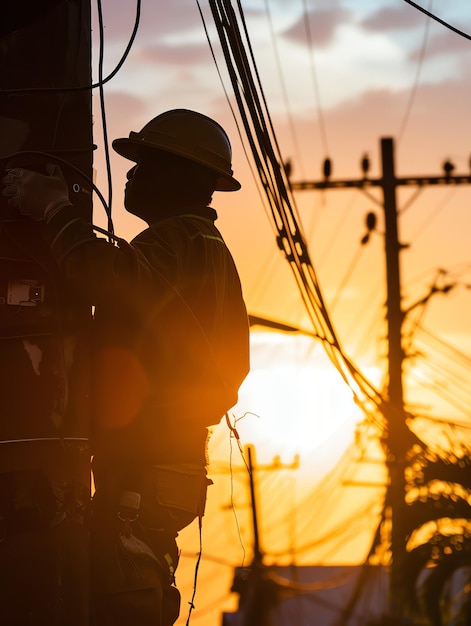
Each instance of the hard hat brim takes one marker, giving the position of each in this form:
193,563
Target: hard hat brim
131,149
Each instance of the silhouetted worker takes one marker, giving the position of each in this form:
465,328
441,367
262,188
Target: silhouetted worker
170,337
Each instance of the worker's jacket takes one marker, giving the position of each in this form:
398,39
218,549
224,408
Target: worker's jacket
170,333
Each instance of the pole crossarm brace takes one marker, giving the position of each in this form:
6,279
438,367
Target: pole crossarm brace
418,181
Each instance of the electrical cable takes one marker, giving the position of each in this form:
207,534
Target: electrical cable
439,20
440,388
262,140
415,85
412,198
341,222
110,76
445,395
284,90
455,425
103,113
262,199
321,500
54,157
372,326
197,566
101,82
348,274
315,82
456,353
345,528
433,214
270,259
234,434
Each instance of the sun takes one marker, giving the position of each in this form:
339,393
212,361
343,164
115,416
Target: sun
294,402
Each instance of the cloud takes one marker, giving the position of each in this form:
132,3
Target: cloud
434,126
124,113
322,26
389,18
156,19
445,43
174,54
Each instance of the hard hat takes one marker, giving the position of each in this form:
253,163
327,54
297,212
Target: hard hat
187,134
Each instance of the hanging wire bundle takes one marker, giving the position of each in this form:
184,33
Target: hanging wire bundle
265,150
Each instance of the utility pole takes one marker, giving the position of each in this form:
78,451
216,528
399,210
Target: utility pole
258,592
253,467
257,552
45,117
397,437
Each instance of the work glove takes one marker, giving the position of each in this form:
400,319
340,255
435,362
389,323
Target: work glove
39,196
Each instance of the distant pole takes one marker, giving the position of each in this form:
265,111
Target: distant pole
397,437
257,553
392,249
258,592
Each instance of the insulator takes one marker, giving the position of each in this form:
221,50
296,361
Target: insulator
371,221
327,168
448,167
288,168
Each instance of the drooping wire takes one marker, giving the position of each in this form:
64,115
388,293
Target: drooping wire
315,82
197,567
54,157
284,90
233,507
105,80
101,82
348,274
421,228
439,20
103,113
444,344
263,143
417,78
239,131
127,50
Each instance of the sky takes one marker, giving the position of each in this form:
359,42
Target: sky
337,75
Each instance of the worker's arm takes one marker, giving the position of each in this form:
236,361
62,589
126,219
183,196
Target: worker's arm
94,267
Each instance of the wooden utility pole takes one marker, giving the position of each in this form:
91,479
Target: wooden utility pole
45,117
397,436
257,552
258,593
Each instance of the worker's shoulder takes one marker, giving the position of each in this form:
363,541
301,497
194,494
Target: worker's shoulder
181,226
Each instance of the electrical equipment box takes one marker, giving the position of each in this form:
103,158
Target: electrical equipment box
24,292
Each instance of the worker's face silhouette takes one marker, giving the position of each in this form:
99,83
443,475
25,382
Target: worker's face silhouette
161,183
149,186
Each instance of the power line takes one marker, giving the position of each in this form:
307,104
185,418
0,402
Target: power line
417,78
92,85
315,82
343,283
420,230
398,438
340,223
439,20
284,90
104,124
266,153
456,353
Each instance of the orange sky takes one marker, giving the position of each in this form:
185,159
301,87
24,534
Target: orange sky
371,82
